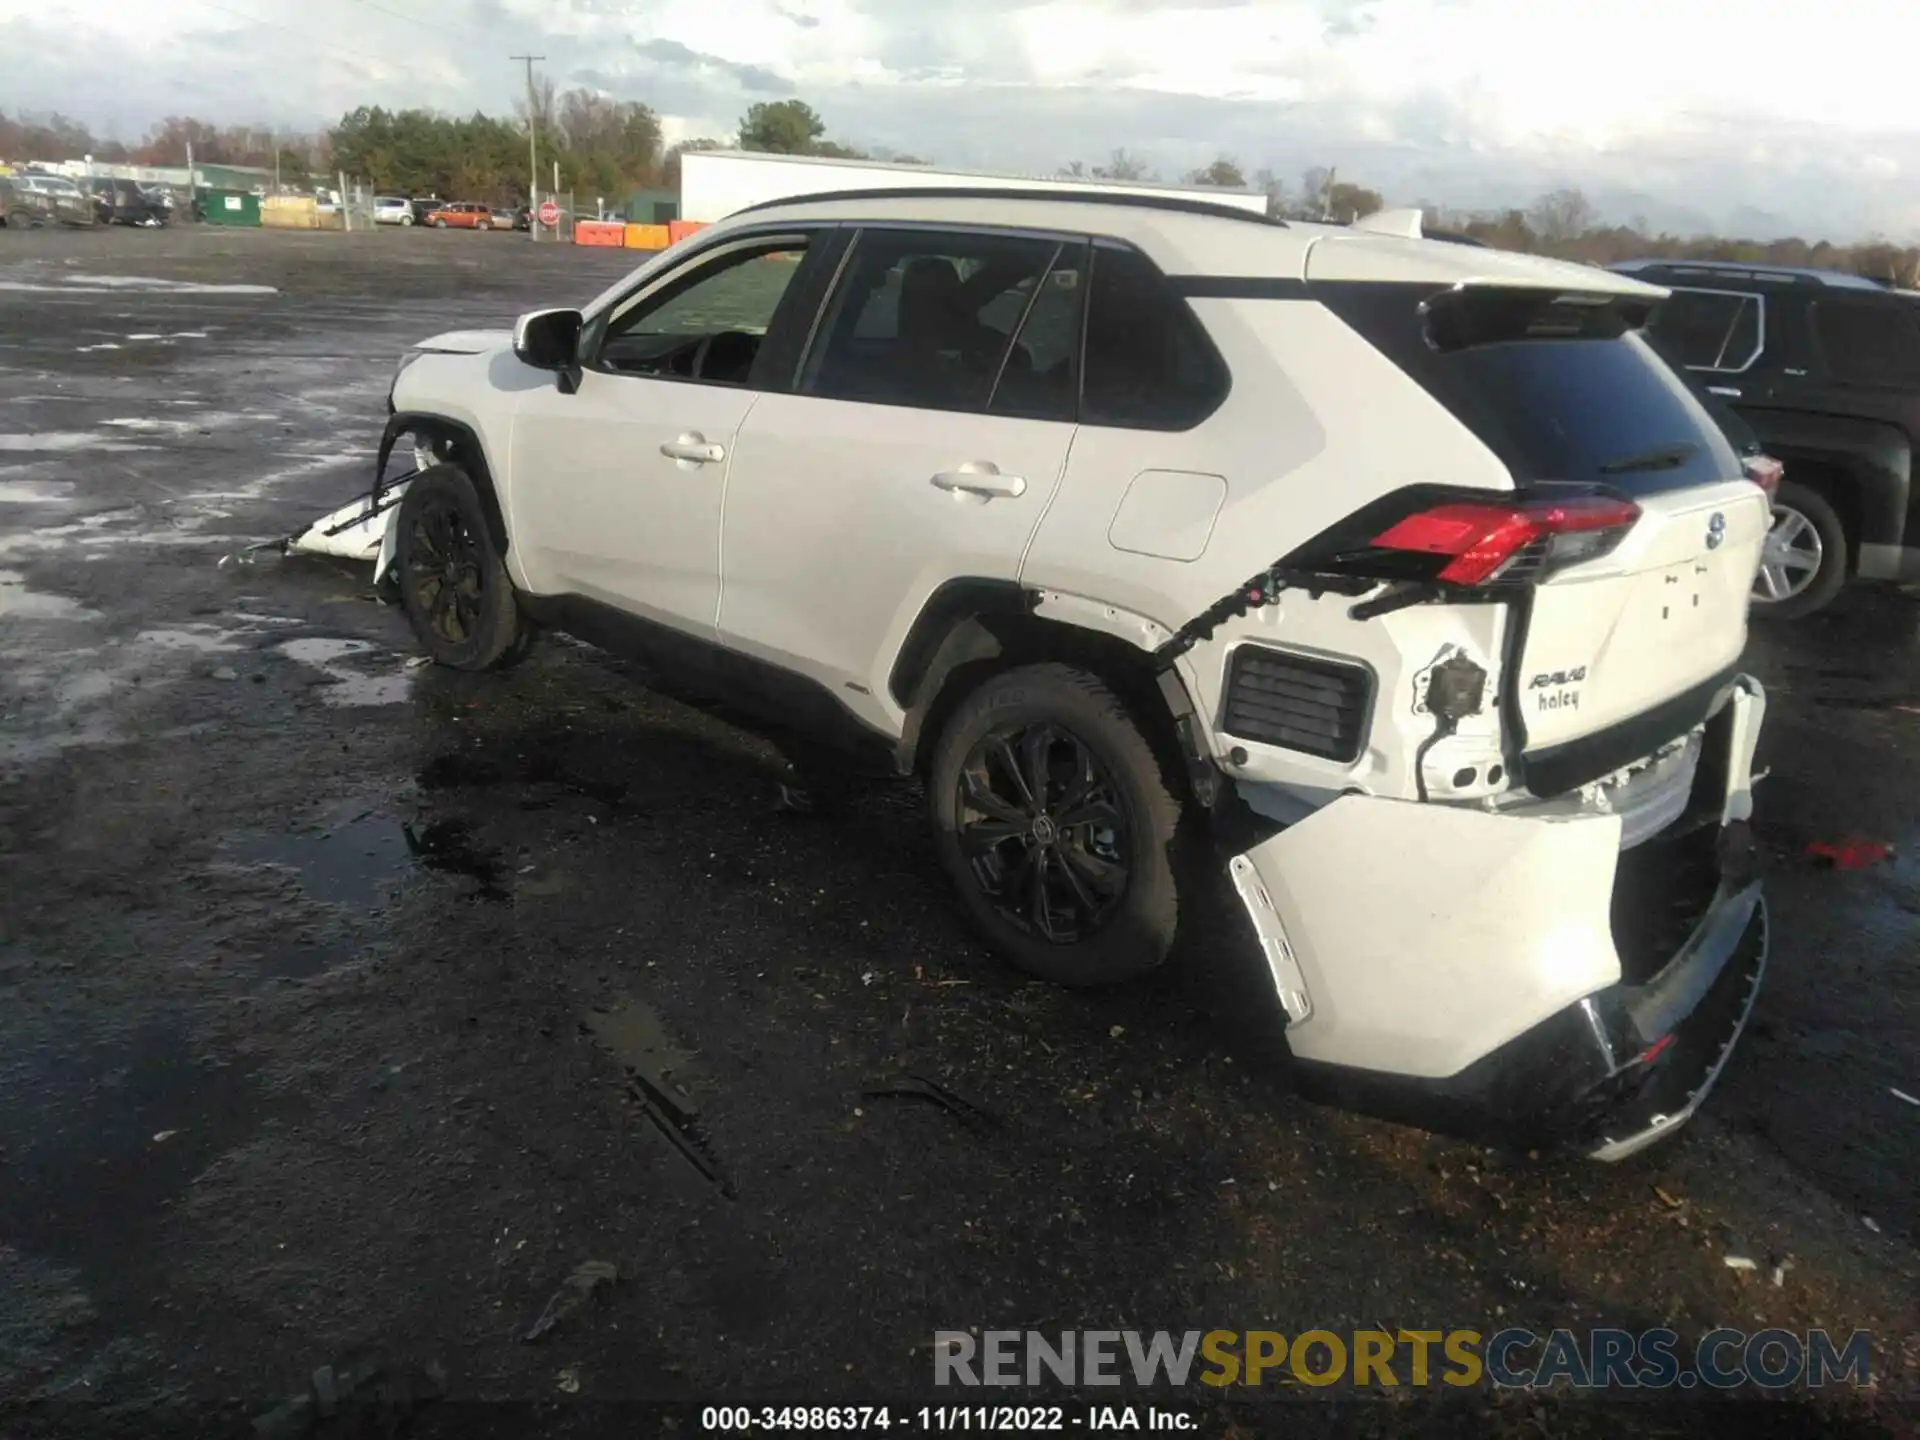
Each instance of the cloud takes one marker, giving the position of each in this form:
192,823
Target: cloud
756,79
1475,103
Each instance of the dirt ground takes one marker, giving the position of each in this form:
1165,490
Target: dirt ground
321,976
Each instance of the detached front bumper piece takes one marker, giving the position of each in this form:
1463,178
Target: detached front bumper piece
1519,980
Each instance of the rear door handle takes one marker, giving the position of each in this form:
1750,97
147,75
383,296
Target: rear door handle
981,479
695,447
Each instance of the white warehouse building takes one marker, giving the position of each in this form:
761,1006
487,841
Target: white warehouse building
717,183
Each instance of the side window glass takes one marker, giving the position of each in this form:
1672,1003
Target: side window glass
1149,364
1041,379
1868,344
708,325
929,318
1710,329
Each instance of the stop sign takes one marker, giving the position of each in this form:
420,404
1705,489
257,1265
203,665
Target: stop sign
549,213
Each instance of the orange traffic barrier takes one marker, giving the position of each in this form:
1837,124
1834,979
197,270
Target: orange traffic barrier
648,237
599,232
678,230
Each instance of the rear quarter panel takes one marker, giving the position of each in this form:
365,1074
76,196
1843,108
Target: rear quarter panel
1317,424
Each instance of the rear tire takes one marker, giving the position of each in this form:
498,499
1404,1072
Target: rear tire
483,225
1042,769
1806,530
453,584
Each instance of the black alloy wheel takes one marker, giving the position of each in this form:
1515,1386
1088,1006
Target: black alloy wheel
1045,831
445,571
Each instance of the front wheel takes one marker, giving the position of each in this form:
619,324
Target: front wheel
1056,825
453,584
405,221
438,224
1803,562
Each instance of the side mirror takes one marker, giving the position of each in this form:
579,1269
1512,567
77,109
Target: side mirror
550,340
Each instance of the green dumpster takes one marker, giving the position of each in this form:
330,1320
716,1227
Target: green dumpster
230,207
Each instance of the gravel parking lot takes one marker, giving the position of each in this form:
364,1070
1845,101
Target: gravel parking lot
322,975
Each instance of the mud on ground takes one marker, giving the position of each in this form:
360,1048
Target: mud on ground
323,977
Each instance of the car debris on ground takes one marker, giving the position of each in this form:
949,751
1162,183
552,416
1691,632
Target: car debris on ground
588,1279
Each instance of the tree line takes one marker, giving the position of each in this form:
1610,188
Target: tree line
611,147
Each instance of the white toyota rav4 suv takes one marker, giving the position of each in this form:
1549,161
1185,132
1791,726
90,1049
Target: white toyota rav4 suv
1131,524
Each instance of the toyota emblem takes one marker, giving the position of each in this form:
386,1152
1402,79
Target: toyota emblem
1716,530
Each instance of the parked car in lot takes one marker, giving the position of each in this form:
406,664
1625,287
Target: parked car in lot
1396,584
1824,368
123,202
393,210
505,218
462,215
39,199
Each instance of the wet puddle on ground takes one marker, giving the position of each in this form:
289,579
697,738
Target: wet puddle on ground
17,602
101,1132
350,686
358,857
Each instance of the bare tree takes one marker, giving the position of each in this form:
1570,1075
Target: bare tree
1124,165
1561,217
1276,192
539,106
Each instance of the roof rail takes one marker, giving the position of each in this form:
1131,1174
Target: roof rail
1177,203
1786,274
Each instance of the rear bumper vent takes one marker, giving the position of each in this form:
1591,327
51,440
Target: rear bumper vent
1298,702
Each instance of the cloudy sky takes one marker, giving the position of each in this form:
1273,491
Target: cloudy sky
1692,114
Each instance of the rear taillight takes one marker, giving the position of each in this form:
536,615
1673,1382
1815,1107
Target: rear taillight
1474,544
1433,537
1766,472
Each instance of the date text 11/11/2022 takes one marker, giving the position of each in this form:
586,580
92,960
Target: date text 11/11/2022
954,1419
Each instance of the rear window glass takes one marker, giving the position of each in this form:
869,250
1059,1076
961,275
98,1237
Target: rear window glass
1710,329
1149,364
1559,392
1868,344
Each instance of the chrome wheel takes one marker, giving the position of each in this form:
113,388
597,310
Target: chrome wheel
1044,831
1789,559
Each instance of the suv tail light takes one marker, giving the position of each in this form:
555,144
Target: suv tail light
1766,472
1432,537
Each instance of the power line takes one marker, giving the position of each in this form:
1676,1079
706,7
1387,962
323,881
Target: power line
438,29
307,36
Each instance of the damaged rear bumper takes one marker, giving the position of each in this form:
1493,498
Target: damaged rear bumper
1517,979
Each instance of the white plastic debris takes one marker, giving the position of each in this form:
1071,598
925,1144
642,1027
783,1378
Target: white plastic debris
1902,1095
356,531
1780,1273
1871,1223
1740,1262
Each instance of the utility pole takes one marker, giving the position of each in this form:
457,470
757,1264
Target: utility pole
533,150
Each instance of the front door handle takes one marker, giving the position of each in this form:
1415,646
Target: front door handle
981,478
695,447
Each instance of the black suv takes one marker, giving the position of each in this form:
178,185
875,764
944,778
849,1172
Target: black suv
1824,369
122,202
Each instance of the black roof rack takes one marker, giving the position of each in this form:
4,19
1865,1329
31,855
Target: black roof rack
1178,203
